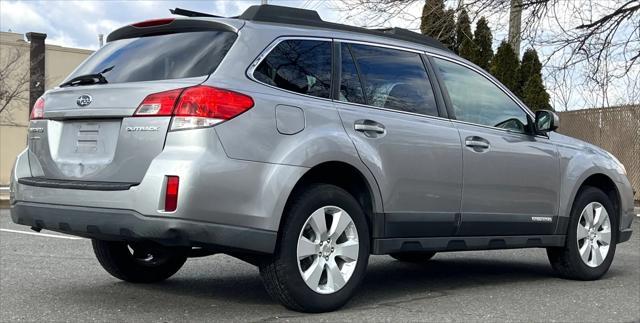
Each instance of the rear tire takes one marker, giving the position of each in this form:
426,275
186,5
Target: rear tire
413,256
305,251
137,263
591,238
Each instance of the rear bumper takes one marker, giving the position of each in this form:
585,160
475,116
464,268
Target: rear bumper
213,187
128,225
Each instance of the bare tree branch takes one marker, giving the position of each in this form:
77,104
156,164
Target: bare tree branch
14,83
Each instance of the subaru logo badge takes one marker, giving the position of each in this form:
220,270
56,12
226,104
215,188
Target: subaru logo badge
84,100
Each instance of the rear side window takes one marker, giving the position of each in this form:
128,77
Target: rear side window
161,57
394,79
301,66
350,85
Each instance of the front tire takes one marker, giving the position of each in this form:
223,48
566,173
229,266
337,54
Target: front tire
591,239
138,263
322,253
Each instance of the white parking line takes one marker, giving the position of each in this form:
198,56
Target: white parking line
42,234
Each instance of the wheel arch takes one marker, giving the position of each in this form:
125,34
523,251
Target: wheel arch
601,181
347,177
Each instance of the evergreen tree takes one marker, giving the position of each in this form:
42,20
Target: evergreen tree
448,35
530,66
438,22
534,95
482,38
464,36
432,15
505,66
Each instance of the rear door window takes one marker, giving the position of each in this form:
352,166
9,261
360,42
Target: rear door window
161,57
301,66
394,79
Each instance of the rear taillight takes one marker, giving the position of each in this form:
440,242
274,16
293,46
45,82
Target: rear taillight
153,22
158,104
195,107
171,194
38,110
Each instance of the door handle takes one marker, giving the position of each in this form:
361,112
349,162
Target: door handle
476,142
369,127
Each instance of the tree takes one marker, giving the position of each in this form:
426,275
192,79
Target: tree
438,22
14,84
534,94
505,66
482,38
529,67
598,40
464,37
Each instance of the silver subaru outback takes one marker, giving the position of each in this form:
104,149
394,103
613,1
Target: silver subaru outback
302,147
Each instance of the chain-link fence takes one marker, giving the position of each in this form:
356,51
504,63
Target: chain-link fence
615,129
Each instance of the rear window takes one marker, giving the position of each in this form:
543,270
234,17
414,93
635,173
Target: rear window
162,57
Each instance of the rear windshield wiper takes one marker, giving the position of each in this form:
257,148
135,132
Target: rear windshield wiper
97,78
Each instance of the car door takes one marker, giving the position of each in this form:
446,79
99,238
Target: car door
387,105
511,177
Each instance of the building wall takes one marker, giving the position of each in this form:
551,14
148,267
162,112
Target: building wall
14,119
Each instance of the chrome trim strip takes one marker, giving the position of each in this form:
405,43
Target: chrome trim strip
391,110
405,49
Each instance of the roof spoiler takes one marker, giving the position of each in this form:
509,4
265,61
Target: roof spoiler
189,13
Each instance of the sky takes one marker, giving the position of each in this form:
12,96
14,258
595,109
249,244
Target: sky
77,23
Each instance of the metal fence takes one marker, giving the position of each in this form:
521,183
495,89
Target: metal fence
616,129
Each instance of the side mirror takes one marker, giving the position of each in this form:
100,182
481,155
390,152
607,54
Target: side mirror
546,121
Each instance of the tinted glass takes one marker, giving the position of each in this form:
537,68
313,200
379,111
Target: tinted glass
160,57
302,66
394,79
350,86
476,99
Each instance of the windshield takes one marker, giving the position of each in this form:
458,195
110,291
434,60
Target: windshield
162,57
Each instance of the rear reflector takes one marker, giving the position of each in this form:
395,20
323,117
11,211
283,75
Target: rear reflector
171,194
153,22
195,107
38,110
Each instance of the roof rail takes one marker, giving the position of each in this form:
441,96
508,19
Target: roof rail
311,18
189,13
413,36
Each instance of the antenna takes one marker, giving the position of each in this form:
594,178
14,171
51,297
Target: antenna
101,39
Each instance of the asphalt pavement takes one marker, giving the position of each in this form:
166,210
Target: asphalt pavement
57,278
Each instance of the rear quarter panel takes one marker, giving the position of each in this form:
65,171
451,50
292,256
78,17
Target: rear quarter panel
254,135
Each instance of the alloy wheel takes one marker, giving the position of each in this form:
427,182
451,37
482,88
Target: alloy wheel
594,234
327,251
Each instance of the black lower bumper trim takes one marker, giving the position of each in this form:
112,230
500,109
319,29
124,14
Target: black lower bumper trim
128,225
74,184
439,244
